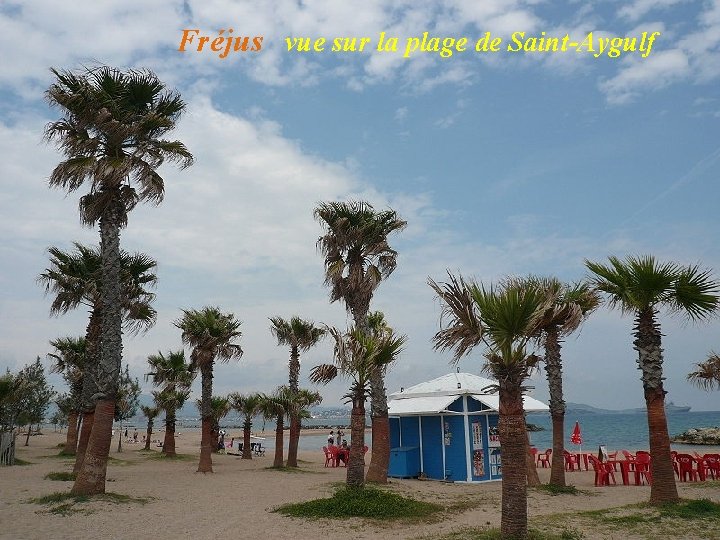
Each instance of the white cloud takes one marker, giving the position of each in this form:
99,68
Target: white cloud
639,8
640,75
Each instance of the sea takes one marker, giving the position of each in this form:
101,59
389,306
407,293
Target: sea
614,431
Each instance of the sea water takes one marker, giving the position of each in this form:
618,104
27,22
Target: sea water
614,431
617,431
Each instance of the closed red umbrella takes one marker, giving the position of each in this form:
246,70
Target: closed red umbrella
576,437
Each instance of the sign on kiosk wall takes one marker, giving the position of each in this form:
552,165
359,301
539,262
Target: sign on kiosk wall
478,456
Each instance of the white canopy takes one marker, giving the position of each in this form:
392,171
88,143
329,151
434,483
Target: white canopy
433,397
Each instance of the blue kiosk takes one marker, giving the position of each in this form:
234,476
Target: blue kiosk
447,429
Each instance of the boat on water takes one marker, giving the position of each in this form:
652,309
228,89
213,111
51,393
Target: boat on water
670,408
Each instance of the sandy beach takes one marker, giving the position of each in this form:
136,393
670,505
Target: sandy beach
237,500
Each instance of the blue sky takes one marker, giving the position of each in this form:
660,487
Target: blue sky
502,164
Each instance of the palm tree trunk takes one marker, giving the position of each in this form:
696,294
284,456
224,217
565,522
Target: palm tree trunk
294,439
94,467
513,441
648,344
356,461
553,371
27,437
533,479
71,440
205,465
380,458
90,479
278,462
89,389
247,450
294,371
120,437
169,443
294,435
88,418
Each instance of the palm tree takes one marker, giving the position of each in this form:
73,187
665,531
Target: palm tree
70,361
642,286
170,400
275,407
74,279
150,413
174,375
248,406
357,258
567,306
357,356
211,334
111,135
707,374
501,320
300,335
220,407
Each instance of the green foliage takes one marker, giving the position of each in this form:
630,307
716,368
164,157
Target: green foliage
478,533
66,503
692,509
128,395
552,489
25,397
364,502
61,476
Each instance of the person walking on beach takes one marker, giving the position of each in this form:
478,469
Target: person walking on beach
135,435
331,438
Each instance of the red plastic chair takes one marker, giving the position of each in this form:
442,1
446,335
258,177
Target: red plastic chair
328,455
604,472
571,461
544,458
686,464
712,465
334,456
642,468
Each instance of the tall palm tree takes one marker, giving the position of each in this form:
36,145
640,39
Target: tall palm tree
74,280
357,258
220,407
499,318
70,362
150,413
248,406
642,286
707,373
111,133
300,335
174,375
357,356
211,334
566,307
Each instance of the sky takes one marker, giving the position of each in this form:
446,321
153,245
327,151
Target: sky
502,163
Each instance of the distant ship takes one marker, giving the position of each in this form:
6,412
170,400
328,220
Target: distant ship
670,408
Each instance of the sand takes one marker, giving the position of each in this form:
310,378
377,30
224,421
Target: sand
237,500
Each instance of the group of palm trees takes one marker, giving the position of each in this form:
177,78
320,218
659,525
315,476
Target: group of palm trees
512,318
112,135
